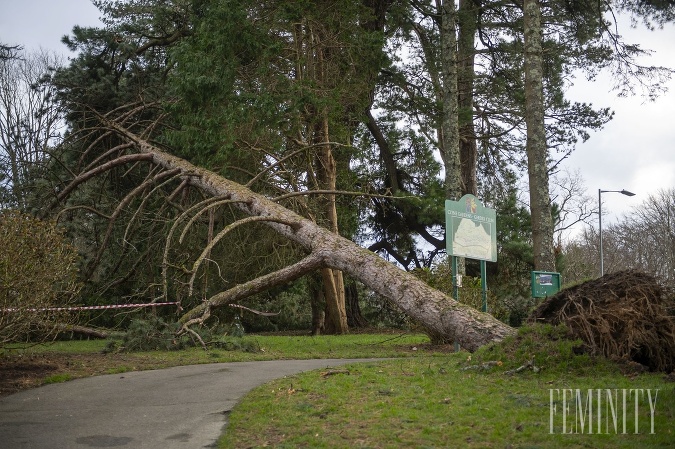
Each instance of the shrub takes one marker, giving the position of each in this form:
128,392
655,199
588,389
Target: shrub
37,274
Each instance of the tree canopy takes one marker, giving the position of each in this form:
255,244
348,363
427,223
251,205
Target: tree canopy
361,116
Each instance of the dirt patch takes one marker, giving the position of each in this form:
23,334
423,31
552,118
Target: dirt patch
16,375
624,316
20,372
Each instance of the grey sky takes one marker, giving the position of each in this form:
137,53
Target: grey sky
635,151
42,23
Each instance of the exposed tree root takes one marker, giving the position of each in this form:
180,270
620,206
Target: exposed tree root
626,315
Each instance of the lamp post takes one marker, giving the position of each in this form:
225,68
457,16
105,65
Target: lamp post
600,192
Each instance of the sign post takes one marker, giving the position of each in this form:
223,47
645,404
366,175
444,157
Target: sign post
483,285
471,232
455,277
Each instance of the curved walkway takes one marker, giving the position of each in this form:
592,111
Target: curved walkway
174,408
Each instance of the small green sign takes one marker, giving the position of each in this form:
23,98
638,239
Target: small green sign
471,229
545,284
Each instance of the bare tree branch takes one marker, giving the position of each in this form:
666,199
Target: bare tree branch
118,210
94,172
287,274
224,232
336,192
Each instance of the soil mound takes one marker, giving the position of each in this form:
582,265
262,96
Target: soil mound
626,315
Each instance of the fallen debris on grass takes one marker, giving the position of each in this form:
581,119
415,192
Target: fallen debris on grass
529,365
334,372
483,366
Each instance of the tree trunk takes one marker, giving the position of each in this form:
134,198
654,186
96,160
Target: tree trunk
450,119
450,144
537,167
354,316
333,281
443,318
318,304
315,54
466,55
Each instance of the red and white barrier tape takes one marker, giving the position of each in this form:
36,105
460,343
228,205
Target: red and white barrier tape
122,306
114,306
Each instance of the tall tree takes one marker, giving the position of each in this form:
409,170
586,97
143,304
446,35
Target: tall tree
449,144
537,150
273,95
467,19
489,110
296,80
117,231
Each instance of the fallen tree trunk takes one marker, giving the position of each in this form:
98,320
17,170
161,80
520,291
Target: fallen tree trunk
83,330
443,318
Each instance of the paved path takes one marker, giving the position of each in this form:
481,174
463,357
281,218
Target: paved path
184,407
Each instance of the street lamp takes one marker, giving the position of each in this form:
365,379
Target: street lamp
600,192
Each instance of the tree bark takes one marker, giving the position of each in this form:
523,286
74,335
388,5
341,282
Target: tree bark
316,56
258,285
443,318
466,55
450,118
333,280
450,142
83,330
354,316
537,152
318,304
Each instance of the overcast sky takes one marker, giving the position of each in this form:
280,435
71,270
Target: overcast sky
635,151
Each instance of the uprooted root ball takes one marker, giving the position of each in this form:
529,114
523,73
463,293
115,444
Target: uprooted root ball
626,315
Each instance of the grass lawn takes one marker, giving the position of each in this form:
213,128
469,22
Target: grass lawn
436,402
428,402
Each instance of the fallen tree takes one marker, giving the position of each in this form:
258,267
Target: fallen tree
443,318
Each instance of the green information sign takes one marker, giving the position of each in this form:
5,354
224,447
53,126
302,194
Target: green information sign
471,229
545,284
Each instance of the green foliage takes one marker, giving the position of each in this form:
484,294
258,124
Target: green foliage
291,302
659,11
246,83
509,278
381,313
155,334
120,256
239,87
224,41
151,335
37,271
